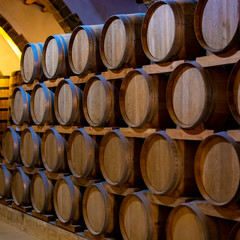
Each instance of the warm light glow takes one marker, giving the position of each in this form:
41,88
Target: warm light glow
11,43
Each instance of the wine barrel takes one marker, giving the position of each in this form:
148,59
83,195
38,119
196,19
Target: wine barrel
168,31
197,97
100,210
11,146
20,187
119,159
20,106
67,200
217,169
53,151
141,220
83,53
100,102
235,233
143,100
187,221
217,25
31,62
167,165
120,44
30,148
68,103
5,182
55,56
41,192
42,105
82,154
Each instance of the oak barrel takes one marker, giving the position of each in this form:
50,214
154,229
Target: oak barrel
235,233
11,146
31,62
42,105
217,169
120,44
168,31
100,210
167,165
41,192
30,148
5,182
67,200
217,25
143,100
20,106
20,187
197,97
68,103
53,151
55,56
83,53
141,220
100,102
82,154
119,159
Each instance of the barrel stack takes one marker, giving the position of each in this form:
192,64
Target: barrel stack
109,145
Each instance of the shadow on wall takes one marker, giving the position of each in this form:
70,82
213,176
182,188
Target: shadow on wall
97,12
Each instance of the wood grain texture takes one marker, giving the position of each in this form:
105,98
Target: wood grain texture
235,233
5,182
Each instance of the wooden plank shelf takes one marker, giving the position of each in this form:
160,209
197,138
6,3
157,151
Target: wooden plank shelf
70,227
44,217
89,235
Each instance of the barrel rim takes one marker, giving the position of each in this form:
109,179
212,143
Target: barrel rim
26,183
36,147
176,155
130,36
148,209
108,208
47,103
109,100
208,103
178,38
48,189
91,52
129,159
197,26
37,61
60,149
90,149
152,100
195,210
73,194
199,158
76,100
16,145
7,178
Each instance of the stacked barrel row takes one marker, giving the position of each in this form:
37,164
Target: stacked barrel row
191,96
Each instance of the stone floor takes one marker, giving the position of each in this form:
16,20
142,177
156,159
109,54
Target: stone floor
8,232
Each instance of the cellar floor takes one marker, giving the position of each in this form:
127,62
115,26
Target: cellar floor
8,232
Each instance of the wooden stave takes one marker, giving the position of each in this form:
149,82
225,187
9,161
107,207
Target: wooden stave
61,164
92,153
37,49
233,44
111,220
94,62
26,194
49,187
210,118
76,197
197,162
130,22
62,68
49,116
234,232
37,148
76,115
26,106
7,183
16,140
